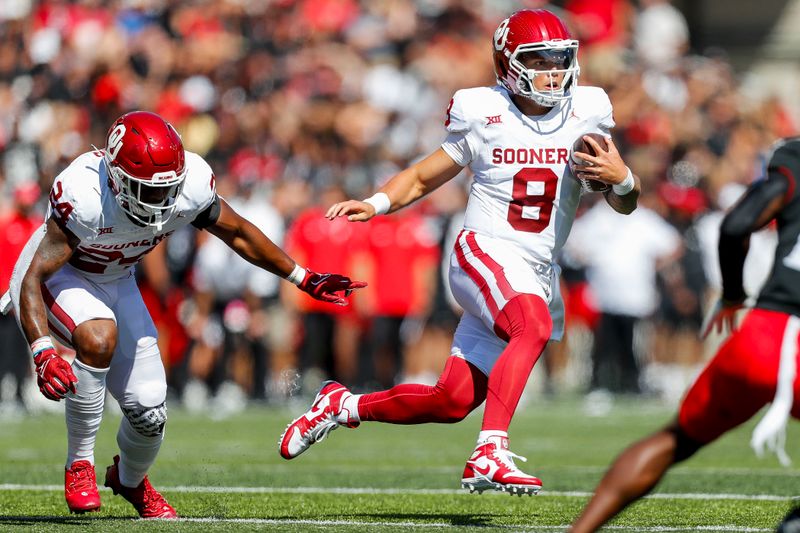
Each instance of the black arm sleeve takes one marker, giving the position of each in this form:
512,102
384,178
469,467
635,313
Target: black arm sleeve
209,216
748,215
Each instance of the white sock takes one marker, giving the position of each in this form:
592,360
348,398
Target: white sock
483,436
84,411
349,411
137,453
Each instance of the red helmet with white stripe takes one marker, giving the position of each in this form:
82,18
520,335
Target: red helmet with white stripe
537,32
147,165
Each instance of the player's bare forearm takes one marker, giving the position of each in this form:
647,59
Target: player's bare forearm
404,188
53,253
627,203
249,242
420,179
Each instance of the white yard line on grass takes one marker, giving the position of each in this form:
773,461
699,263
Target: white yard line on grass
695,470
443,525
368,490
416,525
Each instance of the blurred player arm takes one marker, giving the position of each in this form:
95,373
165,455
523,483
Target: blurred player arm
404,188
53,253
760,204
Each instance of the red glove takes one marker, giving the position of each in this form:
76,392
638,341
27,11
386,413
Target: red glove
324,286
53,374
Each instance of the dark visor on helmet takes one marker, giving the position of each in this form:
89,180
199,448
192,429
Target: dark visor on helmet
547,59
154,195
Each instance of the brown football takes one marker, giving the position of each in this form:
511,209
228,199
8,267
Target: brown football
589,184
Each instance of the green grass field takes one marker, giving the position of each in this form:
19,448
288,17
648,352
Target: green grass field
227,476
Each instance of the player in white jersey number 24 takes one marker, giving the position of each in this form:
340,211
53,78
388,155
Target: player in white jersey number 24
516,138
74,280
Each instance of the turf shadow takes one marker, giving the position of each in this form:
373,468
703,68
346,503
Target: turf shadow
455,519
55,519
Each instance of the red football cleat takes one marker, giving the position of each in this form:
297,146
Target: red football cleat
80,488
147,501
317,422
491,466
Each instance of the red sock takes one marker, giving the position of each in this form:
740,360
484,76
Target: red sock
526,324
461,388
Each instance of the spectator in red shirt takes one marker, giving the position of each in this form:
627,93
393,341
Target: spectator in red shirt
328,331
402,260
15,228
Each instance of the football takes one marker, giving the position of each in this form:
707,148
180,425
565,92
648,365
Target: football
588,184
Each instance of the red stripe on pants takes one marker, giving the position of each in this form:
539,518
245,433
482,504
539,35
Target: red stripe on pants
491,264
476,277
57,310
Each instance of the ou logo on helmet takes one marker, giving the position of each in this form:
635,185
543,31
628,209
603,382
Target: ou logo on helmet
114,144
501,35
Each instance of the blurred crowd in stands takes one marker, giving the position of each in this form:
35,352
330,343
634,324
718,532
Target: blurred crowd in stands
298,104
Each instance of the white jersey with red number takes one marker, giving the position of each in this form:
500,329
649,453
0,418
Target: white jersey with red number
83,201
523,191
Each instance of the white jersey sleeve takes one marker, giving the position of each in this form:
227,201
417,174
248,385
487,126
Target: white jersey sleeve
593,104
463,141
75,201
606,113
199,189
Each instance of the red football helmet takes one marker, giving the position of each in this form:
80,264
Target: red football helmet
147,166
540,32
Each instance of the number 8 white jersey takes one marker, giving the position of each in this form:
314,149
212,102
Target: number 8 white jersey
523,191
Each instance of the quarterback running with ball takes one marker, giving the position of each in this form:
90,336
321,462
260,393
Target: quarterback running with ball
516,138
74,280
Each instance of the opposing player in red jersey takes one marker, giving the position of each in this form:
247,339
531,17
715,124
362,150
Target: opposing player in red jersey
516,138
755,365
74,280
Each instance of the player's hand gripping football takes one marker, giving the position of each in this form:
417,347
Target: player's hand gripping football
721,318
355,211
326,286
606,166
53,374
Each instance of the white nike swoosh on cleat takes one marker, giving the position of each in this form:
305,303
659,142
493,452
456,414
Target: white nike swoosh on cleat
293,446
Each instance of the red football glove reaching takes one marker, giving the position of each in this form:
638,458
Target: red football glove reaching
324,286
53,374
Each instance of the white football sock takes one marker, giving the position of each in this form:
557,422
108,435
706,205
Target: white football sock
84,411
349,411
137,453
483,436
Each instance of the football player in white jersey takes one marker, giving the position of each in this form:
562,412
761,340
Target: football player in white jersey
516,138
74,280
